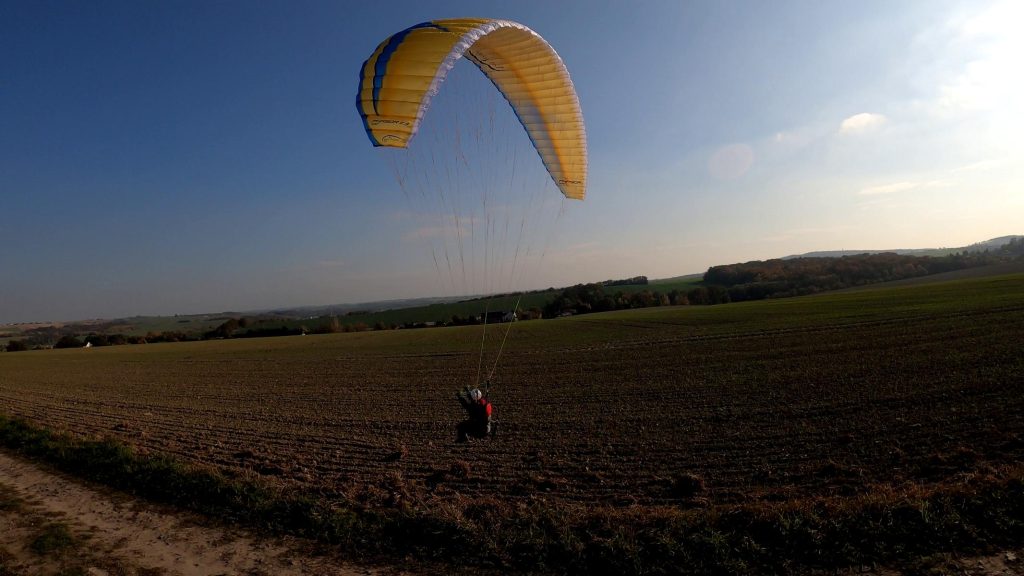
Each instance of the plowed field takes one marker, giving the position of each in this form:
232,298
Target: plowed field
772,400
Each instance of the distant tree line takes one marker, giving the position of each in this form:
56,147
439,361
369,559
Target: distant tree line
586,298
781,278
634,281
1013,249
334,326
68,337
16,346
776,278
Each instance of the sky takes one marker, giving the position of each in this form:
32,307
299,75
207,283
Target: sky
180,157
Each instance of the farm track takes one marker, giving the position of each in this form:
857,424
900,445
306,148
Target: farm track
760,410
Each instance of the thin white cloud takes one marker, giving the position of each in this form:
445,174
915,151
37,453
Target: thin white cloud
794,233
794,138
888,188
821,230
435,225
731,162
861,123
978,166
904,186
889,203
580,249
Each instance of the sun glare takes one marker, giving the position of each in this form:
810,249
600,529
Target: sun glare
992,79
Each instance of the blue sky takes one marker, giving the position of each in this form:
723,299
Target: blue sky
185,157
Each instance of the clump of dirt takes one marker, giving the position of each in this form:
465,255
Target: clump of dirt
687,485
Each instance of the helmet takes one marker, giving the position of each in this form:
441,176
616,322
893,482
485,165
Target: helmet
476,394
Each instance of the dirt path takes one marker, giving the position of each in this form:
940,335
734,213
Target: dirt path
52,524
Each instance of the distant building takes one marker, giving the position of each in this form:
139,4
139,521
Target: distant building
498,316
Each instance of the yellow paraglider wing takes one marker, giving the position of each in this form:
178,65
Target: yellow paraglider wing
400,77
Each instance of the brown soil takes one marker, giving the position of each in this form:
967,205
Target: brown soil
112,534
761,416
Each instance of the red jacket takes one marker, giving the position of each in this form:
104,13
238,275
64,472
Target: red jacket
480,411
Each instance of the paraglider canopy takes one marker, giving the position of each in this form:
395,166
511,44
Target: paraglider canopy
407,69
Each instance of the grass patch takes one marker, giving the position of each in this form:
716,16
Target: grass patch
885,525
53,538
6,563
9,501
